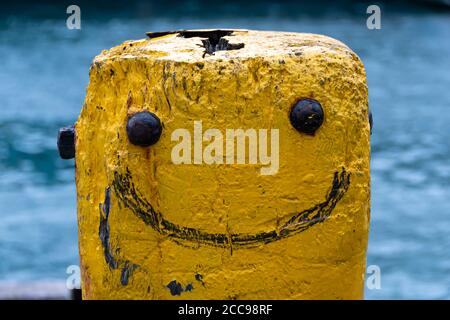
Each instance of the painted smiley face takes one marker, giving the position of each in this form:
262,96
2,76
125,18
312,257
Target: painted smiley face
144,129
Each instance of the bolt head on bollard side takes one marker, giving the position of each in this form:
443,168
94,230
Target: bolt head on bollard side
224,164
66,143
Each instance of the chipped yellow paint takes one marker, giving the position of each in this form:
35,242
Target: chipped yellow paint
253,87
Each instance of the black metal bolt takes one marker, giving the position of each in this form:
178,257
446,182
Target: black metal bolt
66,143
306,116
144,129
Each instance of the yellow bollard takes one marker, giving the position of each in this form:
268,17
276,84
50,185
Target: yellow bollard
178,209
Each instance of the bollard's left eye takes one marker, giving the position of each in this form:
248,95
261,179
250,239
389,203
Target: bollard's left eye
306,116
144,129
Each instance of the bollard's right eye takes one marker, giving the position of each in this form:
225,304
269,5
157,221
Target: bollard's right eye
306,116
144,129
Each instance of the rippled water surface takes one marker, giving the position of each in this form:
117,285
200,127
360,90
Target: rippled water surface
44,72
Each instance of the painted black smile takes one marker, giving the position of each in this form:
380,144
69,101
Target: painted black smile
131,198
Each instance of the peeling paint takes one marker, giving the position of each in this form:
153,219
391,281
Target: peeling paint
176,288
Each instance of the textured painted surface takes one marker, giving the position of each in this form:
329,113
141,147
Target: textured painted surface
121,187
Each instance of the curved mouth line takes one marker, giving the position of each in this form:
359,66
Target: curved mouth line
131,198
